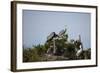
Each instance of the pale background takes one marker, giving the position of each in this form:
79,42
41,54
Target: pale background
5,37
75,22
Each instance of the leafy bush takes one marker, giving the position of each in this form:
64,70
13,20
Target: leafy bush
70,51
64,50
37,53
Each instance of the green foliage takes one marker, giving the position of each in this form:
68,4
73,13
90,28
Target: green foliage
38,52
70,51
40,49
34,54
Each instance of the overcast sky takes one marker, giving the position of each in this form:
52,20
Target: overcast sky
37,25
